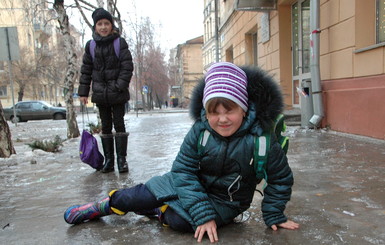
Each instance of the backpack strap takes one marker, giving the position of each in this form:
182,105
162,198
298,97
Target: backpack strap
263,143
261,150
92,48
261,146
202,141
116,47
279,128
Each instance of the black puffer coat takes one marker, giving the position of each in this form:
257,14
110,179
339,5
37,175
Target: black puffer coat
109,75
220,183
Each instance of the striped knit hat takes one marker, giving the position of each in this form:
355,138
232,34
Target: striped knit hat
228,81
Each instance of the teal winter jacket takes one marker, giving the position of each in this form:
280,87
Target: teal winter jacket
219,183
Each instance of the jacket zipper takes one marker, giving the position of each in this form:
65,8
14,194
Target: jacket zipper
229,192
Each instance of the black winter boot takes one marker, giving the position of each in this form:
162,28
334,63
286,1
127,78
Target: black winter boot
121,151
108,149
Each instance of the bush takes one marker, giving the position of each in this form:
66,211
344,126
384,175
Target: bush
47,145
95,129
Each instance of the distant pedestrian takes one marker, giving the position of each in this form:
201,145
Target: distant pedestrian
110,74
208,188
127,107
166,104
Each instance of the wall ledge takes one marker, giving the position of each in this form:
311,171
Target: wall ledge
378,45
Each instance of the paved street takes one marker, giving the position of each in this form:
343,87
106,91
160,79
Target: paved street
338,196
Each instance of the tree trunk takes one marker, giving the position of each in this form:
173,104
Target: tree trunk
159,101
6,145
71,69
20,94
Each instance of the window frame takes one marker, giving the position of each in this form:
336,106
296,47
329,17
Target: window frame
3,91
380,19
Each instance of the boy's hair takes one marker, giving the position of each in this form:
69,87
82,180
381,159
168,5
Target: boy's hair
213,103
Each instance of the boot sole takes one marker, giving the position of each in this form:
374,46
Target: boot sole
107,171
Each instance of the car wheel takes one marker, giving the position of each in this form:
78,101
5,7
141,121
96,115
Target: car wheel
58,116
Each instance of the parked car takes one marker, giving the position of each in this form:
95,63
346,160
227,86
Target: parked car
139,105
34,110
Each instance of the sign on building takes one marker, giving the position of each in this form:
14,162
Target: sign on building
145,89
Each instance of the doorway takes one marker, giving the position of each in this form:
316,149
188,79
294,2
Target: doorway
300,17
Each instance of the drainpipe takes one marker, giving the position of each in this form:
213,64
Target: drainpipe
216,21
314,63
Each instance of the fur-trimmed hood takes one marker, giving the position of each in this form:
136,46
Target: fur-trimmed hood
264,95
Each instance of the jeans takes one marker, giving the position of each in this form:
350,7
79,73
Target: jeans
139,199
112,114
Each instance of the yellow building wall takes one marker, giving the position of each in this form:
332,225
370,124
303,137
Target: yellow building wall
352,67
352,64
191,62
12,14
37,30
346,27
274,55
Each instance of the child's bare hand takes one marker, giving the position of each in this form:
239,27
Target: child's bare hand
83,100
290,225
211,229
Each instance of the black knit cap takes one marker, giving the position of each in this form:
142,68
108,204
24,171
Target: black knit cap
101,13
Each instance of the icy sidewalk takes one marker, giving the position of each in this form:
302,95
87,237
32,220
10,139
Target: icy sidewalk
338,196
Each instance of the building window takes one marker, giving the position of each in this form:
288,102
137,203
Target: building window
205,35
230,55
380,21
3,91
210,28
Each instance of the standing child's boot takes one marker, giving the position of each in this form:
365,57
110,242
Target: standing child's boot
79,213
121,151
108,150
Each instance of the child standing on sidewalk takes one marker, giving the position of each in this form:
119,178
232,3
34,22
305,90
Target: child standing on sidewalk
107,67
206,190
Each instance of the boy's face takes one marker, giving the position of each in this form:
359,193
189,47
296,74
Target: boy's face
103,27
226,122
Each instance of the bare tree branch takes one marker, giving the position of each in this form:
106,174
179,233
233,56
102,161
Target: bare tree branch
87,4
82,12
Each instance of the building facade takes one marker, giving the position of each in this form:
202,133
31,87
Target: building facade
39,42
351,55
190,68
210,41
